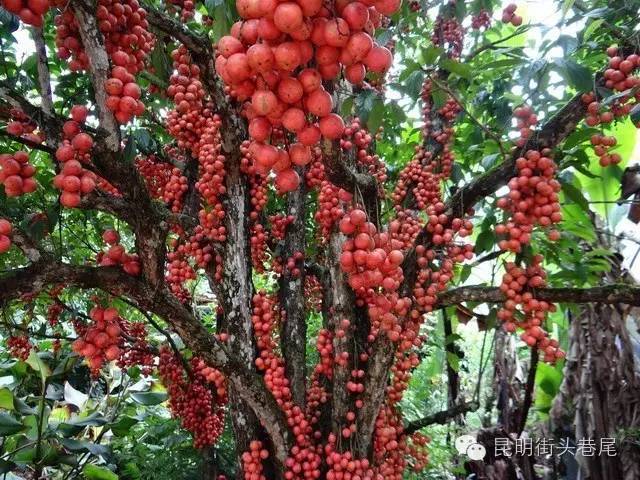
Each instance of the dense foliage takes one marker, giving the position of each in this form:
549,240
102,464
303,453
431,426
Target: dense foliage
283,239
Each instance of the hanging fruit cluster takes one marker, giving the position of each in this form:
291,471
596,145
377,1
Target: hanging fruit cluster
509,15
16,174
525,120
532,201
117,255
481,20
163,180
197,130
138,353
303,461
601,146
355,135
19,347
73,179
30,12
618,77
522,310
5,232
128,41
23,126
264,60
124,93
101,341
372,261
252,461
198,401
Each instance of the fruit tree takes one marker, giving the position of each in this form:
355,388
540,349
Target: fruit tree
258,214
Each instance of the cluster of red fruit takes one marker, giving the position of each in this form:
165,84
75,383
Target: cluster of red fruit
532,200
303,461
23,126
5,232
192,399
123,25
187,9
601,145
525,120
619,74
16,174
417,450
197,130
356,135
101,340
19,347
343,465
448,33
481,20
163,180
124,93
117,255
30,11
180,271
372,261
73,179
509,15
331,200
262,58
252,461
523,310
139,353
389,444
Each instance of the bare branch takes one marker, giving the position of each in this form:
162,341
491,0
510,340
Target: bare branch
611,294
44,77
441,417
28,143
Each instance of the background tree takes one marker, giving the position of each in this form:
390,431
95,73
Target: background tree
271,213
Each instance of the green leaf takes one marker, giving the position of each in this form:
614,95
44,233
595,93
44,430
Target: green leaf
347,107
430,54
376,115
456,67
130,150
76,425
575,195
9,425
453,360
6,399
576,75
485,241
123,425
566,6
85,446
149,398
592,28
94,472
35,362
10,22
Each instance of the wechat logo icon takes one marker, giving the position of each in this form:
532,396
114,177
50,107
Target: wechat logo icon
467,445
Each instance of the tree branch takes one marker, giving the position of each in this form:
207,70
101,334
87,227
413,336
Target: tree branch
113,280
611,294
528,393
441,417
44,77
28,143
93,43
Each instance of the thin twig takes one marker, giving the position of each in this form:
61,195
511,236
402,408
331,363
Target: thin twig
483,127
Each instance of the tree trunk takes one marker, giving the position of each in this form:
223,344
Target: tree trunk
600,393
